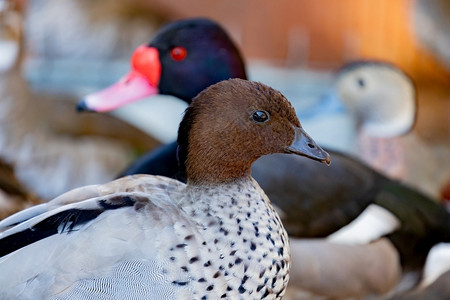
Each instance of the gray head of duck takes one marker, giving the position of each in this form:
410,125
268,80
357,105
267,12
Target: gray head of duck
231,124
183,58
380,95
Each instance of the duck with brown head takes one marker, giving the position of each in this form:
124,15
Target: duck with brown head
156,238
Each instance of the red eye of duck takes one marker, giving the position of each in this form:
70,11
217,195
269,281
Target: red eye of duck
178,53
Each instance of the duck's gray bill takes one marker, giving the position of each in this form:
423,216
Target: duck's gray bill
304,145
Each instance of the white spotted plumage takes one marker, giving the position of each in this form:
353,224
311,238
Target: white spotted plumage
186,242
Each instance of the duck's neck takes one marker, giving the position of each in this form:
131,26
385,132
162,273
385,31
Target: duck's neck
219,200
17,114
207,173
199,189
12,95
216,164
386,155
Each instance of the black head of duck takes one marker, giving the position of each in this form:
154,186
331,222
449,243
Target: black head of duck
182,59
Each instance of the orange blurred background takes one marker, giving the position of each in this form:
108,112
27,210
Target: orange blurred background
328,32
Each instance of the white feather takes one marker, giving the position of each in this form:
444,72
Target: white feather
438,262
373,223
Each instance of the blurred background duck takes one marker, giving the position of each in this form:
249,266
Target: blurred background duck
382,100
41,159
369,110
314,201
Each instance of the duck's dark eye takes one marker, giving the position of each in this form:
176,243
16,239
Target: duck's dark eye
260,116
361,83
178,53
